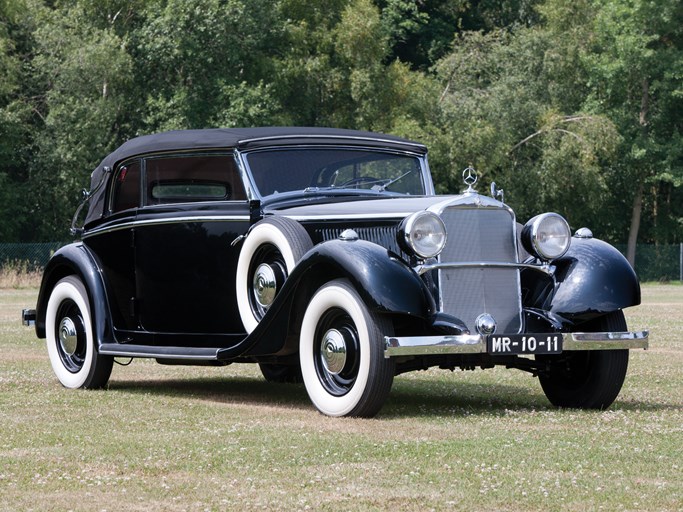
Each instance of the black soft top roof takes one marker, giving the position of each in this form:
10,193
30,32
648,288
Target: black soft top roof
230,138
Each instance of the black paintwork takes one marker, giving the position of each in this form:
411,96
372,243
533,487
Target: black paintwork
163,277
185,273
386,284
592,279
77,259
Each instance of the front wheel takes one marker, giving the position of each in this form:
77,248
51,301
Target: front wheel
587,379
342,353
70,341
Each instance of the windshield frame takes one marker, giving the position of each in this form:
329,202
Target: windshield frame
253,192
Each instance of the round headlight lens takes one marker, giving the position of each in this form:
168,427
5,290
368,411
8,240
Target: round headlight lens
547,236
424,234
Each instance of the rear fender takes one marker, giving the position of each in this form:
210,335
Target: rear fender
75,259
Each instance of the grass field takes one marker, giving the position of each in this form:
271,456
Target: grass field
186,438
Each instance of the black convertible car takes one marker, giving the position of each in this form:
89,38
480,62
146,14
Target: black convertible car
325,256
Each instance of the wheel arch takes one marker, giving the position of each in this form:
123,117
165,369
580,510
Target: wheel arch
75,259
385,284
592,280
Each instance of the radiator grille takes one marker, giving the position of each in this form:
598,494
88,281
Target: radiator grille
474,235
380,235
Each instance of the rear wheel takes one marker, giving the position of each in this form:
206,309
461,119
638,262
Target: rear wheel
342,353
588,379
70,341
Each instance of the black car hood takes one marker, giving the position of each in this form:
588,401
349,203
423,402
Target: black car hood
355,207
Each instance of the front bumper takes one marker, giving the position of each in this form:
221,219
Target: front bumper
476,344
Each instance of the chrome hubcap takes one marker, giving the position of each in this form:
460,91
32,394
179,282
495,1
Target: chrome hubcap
264,285
68,336
333,350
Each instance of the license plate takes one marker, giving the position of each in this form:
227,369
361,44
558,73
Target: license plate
524,344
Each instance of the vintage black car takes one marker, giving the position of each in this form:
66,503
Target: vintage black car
325,256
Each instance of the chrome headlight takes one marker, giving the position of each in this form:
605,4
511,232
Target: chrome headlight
546,236
423,234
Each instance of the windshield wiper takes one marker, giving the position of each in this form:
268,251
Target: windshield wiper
338,190
384,186
380,185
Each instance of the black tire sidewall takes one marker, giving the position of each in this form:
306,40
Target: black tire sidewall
599,374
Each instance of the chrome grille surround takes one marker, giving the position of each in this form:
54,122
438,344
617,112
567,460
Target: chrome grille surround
480,229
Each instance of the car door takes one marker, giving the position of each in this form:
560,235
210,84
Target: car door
111,243
195,208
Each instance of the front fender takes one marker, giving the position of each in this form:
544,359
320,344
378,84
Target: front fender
384,282
75,259
593,279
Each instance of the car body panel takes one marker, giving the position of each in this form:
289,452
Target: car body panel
191,253
593,279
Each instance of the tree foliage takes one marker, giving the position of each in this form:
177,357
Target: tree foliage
569,105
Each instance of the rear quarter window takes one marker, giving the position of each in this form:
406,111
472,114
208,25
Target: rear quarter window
126,187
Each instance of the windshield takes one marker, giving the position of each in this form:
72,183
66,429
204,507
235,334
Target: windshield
313,170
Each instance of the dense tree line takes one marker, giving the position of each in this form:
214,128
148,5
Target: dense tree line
570,105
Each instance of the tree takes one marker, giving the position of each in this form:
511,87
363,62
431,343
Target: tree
501,112
200,64
84,74
635,65
15,121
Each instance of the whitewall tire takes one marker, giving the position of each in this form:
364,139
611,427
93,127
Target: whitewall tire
70,341
269,253
341,353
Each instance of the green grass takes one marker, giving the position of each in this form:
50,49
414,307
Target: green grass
185,438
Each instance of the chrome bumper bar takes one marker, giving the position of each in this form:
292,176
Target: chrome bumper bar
476,344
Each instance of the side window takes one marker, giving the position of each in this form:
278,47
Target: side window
126,190
189,178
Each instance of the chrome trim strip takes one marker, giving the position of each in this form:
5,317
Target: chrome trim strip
352,216
476,344
247,181
200,354
332,138
170,220
423,345
421,269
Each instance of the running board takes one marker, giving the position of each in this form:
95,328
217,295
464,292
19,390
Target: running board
190,354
